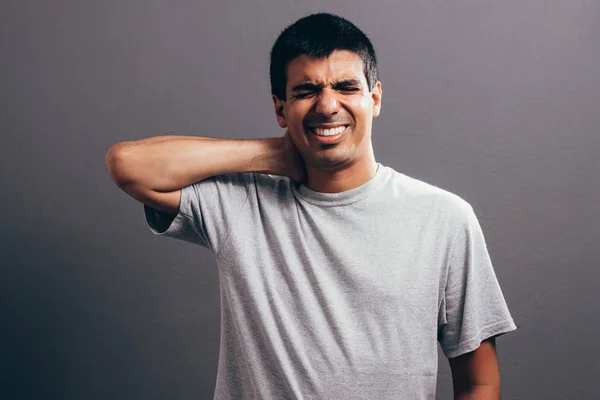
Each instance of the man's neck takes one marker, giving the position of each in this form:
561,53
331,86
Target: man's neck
344,179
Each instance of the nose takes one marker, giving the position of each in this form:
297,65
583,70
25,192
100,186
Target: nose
327,103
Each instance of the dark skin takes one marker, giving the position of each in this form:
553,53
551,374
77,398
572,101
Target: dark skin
475,375
333,92
329,93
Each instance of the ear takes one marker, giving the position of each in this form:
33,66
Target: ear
376,96
279,111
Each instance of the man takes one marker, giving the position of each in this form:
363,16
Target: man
338,274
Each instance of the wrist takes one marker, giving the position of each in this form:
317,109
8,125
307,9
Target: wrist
270,158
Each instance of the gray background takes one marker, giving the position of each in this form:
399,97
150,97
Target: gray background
498,102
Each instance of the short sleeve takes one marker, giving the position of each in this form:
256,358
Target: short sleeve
208,211
473,307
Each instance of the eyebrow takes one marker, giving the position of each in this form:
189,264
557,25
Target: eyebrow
309,86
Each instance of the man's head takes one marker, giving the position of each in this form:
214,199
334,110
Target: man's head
318,35
324,75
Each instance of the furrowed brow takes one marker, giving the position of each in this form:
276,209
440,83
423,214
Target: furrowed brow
347,83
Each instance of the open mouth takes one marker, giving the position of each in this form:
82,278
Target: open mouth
328,135
328,132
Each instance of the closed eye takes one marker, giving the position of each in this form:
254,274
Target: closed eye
304,95
341,89
349,85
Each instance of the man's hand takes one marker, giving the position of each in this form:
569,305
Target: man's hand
294,168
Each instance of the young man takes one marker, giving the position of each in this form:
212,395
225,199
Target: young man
338,274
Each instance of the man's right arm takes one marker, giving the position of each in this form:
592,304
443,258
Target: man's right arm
155,169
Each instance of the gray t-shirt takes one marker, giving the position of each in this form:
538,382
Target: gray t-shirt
340,295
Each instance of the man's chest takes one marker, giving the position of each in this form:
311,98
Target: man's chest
382,267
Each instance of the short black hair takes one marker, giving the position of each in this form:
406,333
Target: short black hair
319,35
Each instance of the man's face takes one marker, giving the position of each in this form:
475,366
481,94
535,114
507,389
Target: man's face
324,94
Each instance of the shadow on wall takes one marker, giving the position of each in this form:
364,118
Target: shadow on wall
73,331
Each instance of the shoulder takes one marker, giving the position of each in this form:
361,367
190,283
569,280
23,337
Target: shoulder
252,183
430,197
235,178
271,180
276,187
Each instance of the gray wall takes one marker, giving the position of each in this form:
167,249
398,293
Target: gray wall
498,102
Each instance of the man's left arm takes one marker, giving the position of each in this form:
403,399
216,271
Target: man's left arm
475,375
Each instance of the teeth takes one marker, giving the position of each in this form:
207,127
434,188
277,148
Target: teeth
329,132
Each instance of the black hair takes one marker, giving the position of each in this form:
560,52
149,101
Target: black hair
319,35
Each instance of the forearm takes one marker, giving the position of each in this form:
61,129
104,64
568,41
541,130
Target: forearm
478,392
171,162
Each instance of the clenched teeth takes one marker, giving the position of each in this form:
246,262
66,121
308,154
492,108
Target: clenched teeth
329,132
